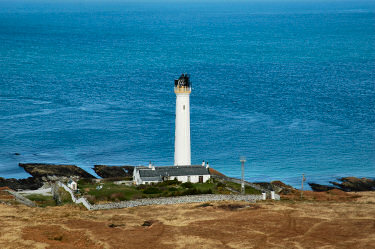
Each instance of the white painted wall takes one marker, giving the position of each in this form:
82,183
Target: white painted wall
182,150
72,185
193,179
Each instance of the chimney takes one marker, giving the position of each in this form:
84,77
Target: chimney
207,166
203,163
150,165
153,167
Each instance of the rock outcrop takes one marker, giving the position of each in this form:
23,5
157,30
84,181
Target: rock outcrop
31,183
105,171
351,184
348,184
320,188
277,186
39,170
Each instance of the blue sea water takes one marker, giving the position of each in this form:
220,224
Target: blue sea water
291,86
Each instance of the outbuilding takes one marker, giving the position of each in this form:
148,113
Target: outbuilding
72,185
190,173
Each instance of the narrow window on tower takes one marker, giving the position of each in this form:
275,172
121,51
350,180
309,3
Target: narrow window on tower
183,107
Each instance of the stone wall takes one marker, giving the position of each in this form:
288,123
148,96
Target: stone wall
177,200
21,199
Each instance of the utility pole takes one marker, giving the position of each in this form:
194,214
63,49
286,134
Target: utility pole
303,179
242,160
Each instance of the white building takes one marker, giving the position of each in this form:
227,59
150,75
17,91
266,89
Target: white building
182,151
193,174
72,185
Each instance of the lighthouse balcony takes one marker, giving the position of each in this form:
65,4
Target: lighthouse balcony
182,89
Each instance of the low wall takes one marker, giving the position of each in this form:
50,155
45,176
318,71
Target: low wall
74,199
177,200
21,199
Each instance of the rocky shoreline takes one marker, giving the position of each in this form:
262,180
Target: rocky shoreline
348,184
44,172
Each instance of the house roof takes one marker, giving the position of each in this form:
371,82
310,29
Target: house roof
173,171
71,181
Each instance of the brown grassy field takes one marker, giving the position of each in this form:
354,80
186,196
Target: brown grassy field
322,220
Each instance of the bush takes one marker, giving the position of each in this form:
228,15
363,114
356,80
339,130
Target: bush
152,190
187,185
168,182
172,189
220,184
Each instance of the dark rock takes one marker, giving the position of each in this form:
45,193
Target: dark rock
31,183
17,154
105,171
320,188
115,225
353,184
348,184
147,223
40,169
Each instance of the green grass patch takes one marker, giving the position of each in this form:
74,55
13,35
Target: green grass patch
42,200
248,190
65,197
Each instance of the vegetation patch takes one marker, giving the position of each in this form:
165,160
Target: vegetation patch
107,191
41,200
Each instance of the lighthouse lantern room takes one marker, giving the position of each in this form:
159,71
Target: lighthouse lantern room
182,150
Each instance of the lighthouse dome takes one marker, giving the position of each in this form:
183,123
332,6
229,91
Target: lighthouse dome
182,84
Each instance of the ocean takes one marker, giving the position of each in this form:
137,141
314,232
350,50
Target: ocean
288,85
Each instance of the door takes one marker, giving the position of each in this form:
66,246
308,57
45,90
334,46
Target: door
200,179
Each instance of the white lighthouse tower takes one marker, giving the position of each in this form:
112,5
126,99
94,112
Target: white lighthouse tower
182,151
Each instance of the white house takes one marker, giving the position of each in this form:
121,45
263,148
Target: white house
193,174
72,184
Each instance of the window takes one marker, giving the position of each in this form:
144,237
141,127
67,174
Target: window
188,178
183,107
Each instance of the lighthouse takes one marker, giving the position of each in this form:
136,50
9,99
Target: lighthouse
182,151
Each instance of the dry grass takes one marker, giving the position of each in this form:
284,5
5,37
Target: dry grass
342,223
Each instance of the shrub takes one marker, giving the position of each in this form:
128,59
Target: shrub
187,185
172,189
220,184
191,191
142,187
168,183
152,190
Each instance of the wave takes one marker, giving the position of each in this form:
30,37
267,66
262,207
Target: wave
33,114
